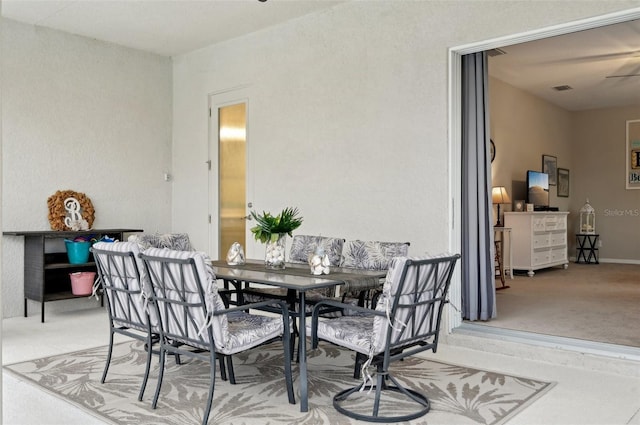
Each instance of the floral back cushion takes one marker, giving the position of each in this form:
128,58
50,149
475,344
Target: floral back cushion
372,255
305,245
174,241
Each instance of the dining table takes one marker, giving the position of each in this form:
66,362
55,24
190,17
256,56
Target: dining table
297,278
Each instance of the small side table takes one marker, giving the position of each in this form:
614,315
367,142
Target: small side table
505,235
587,248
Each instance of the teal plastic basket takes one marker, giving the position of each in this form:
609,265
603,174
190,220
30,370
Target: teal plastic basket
78,252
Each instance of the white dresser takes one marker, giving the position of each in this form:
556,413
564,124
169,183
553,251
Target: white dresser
539,239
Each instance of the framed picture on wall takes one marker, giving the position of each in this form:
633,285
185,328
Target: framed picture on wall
550,167
633,154
563,182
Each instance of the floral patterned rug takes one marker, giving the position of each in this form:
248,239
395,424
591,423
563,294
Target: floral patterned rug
458,395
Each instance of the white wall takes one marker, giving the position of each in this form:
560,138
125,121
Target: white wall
87,116
348,114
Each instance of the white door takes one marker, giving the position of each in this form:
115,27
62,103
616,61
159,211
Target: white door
228,203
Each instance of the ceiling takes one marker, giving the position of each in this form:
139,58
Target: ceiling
581,60
165,27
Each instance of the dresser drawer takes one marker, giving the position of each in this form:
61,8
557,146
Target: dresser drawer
558,239
540,240
540,257
558,254
553,222
538,224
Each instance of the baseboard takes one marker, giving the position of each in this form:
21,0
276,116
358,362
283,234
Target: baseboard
607,358
611,260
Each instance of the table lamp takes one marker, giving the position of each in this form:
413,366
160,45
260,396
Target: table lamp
500,196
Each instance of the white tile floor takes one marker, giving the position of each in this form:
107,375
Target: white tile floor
581,396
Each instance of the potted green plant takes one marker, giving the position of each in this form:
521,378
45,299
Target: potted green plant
272,230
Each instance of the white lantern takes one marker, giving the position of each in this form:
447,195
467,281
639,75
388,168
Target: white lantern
587,219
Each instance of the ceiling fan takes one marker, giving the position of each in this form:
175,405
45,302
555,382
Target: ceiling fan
635,72
630,55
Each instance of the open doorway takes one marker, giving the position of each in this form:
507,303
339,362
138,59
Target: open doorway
455,102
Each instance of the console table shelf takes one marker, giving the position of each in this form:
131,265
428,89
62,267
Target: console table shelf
46,266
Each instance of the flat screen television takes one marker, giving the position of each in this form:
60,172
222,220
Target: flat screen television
538,189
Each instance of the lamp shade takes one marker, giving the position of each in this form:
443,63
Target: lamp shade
499,195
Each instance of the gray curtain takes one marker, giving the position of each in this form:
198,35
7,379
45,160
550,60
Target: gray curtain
478,293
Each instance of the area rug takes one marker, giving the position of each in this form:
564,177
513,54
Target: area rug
458,395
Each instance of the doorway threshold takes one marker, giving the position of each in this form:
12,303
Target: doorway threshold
554,344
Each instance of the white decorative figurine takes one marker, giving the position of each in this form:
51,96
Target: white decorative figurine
319,262
235,256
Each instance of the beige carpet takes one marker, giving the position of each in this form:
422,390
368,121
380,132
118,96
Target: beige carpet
458,394
594,302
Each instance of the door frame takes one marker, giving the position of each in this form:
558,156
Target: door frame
221,98
454,315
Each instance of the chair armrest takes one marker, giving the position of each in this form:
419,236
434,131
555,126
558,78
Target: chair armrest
244,307
317,308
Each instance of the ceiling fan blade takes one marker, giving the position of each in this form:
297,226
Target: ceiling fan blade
622,76
630,54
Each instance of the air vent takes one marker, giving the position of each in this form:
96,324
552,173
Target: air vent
562,88
495,52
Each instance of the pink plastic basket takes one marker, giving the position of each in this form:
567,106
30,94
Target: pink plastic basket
82,282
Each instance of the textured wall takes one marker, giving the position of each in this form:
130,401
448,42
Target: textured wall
348,115
82,115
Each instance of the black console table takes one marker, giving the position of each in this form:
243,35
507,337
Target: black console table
46,274
587,248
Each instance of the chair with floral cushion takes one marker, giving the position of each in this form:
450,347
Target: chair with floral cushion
194,321
405,322
369,255
119,272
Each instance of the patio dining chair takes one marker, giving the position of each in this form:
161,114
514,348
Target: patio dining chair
369,255
194,321
405,322
119,272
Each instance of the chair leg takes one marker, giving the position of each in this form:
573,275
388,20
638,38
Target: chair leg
212,382
109,352
422,402
223,369
357,368
160,376
147,368
232,375
292,344
286,343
